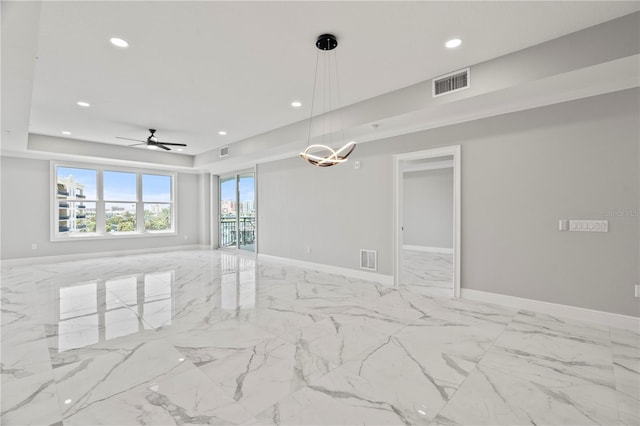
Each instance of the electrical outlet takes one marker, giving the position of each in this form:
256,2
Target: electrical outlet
34,246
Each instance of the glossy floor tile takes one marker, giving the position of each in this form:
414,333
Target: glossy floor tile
210,337
427,273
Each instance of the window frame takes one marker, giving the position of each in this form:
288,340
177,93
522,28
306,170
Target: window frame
101,233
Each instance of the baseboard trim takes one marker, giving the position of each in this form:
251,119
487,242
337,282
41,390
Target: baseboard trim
386,280
428,249
79,256
556,309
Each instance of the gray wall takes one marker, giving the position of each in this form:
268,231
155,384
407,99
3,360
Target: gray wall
26,215
204,200
428,208
521,172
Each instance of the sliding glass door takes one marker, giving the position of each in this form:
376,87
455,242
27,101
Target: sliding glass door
228,211
247,211
238,211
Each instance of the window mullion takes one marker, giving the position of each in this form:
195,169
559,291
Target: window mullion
100,205
139,204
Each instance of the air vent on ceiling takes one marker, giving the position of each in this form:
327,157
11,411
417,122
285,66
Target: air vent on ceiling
369,260
451,82
224,151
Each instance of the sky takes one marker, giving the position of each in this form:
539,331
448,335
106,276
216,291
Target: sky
121,186
247,189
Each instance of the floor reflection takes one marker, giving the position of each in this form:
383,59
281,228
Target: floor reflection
238,282
95,311
101,310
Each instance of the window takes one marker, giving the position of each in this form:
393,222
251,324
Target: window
156,196
75,200
100,202
120,196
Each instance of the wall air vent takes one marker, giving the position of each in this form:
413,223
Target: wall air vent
224,151
451,82
369,260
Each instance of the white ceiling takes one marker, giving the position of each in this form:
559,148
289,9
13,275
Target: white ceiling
194,68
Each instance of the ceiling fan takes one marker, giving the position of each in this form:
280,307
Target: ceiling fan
152,142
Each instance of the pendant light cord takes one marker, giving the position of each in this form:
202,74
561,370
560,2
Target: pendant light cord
313,97
335,59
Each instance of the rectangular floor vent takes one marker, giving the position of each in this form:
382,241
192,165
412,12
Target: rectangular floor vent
452,82
224,151
369,260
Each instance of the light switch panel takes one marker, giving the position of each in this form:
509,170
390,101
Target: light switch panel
589,225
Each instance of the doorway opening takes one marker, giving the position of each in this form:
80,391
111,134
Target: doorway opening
427,221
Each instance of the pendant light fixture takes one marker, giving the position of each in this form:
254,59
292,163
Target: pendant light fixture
322,155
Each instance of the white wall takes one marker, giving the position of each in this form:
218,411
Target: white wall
428,208
521,172
25,217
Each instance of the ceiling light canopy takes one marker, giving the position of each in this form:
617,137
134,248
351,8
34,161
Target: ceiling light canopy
118,42
453,43
319,154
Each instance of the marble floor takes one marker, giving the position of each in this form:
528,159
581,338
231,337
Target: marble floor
202,337
427,272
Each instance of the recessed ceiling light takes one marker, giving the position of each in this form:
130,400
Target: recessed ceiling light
179,149
453,43
222,133
66,132
84,104
152,147
68,401
119,42
296,104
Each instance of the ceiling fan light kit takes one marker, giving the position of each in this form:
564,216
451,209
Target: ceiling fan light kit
321,155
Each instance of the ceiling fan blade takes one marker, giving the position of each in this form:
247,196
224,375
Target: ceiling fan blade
136,144
176,144
128,139
162,146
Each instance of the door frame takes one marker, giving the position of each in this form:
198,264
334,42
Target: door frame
454,151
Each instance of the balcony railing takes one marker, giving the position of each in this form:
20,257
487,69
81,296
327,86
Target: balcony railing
246,231
62,192
80,196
